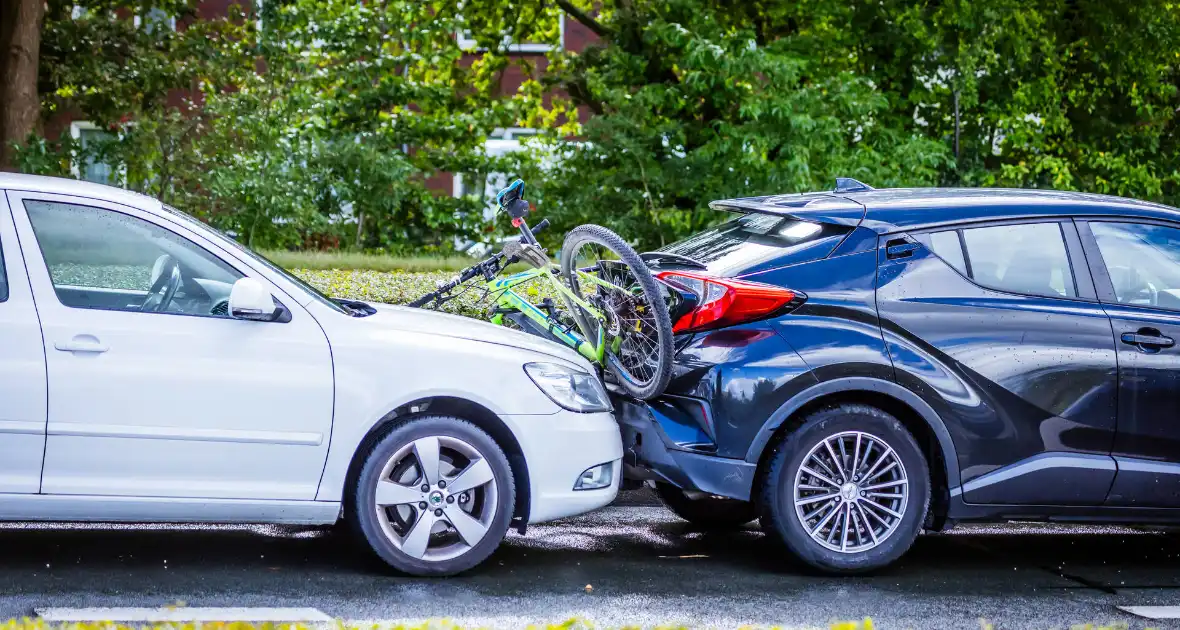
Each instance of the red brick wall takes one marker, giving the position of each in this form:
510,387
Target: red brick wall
577,36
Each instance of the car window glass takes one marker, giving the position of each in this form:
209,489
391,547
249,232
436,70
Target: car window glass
1143,262
752,239
109,260
1026,258
216,235
946,246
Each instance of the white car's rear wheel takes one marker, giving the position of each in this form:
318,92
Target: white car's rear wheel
434,496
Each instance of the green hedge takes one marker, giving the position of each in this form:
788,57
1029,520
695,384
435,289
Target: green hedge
399,287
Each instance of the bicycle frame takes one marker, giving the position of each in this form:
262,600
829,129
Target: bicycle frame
507,299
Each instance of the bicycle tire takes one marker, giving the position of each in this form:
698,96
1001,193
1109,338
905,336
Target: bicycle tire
603,237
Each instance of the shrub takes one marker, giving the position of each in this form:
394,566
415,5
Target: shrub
400,287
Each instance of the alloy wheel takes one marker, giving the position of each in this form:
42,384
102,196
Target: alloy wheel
851,492
436,498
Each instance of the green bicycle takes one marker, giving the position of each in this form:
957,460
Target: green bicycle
615,313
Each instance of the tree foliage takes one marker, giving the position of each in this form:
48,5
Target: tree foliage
692,102
324,123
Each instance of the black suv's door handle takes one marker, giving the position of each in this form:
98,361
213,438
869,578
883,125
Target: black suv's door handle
1148,339
899,249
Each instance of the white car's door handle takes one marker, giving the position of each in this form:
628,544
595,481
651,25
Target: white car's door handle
82,343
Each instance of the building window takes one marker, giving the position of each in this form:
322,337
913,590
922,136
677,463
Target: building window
156,19
468,43
500,143
90,139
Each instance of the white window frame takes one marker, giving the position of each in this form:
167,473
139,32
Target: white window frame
118,176
499,142
470,45
138,21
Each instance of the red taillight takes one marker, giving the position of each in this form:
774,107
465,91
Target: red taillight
724,302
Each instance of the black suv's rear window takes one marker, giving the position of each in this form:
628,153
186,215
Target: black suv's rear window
755,241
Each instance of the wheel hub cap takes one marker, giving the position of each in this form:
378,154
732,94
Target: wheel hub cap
848,491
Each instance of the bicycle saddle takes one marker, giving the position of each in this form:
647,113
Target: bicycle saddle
511,199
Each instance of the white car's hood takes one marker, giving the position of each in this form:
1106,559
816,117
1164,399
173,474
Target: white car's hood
447,325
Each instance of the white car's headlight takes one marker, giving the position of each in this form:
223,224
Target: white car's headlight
570,388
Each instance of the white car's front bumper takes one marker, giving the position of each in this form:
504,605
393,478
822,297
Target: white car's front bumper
558,449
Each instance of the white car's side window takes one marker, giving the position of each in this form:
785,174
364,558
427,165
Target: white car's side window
104,259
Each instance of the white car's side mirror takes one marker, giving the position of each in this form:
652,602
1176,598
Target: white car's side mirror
248,299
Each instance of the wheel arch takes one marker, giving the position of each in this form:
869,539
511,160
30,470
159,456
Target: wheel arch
918,417
473,412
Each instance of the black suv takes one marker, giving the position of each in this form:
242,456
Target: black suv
863,364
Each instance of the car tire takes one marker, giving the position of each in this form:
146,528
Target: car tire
465,523
890,473
704,510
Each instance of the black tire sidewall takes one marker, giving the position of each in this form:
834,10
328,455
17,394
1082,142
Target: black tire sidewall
778,508
364,509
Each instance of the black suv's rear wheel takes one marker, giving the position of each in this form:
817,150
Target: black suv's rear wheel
706,510
847,491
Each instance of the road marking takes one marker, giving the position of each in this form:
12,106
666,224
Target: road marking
1153,612
182,614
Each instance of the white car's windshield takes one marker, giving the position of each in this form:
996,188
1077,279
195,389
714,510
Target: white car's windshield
224,239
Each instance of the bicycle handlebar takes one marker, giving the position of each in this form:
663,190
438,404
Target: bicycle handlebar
475,269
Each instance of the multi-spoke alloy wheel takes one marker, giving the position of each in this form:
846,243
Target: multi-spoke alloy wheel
435,496
846,489
851,492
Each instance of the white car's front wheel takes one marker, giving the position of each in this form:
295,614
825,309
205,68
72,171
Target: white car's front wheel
434,497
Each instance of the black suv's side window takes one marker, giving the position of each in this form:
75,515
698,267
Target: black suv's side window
1027,258
1143,262
947,246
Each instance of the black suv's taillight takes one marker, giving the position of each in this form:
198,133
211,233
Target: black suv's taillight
725,302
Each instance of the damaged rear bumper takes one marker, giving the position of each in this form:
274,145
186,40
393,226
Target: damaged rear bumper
649,453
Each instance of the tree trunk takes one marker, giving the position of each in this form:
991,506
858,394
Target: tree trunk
20,47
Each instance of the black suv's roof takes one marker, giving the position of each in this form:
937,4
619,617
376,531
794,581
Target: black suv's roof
892,209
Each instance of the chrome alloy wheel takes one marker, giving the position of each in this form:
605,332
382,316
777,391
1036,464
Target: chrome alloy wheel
436,498
851,492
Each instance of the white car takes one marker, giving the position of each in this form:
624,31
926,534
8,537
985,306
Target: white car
155,370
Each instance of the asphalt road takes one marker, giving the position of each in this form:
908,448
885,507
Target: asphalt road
645,567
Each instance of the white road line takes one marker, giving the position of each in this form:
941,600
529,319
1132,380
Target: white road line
1153,612
181,614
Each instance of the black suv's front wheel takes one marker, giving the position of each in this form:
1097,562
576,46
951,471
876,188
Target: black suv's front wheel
847,491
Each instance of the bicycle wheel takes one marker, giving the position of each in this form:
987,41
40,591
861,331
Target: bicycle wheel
605,272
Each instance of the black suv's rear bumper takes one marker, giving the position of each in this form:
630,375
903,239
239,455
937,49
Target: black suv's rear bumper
649,454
